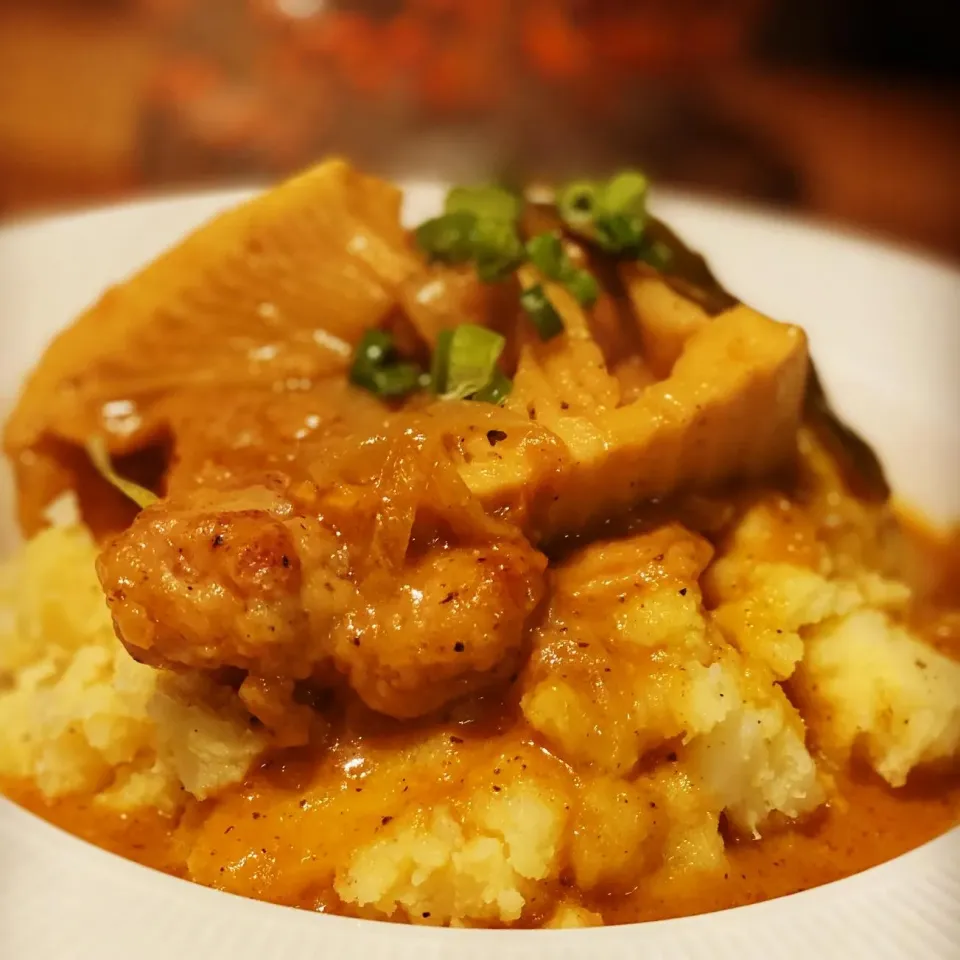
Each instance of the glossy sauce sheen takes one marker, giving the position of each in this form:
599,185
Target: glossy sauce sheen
871,824
877,825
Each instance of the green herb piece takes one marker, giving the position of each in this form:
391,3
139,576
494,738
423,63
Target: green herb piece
97,451
613,214
397,380
583,285
576,204
619,233
545,251
465,365
461,236
496,249
547,254
541,311
448,238
440,362
625,194
485,203
497,390
375,367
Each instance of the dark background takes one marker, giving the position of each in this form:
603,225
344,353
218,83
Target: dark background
843,109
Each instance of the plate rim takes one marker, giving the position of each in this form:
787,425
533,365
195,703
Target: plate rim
921,863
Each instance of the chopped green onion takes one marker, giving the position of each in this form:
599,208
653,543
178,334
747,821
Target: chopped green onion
626,194
471,359
396,381
583,285
541,311
612,214
545,251
100,457
465,364
440,362
462,236
374,349
497,390
619,233
547,254
576,204
449,237
375,367
496,248
485,203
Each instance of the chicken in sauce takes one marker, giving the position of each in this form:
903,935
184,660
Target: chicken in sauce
504,572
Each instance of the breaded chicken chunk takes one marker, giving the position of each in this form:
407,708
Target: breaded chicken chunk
400,582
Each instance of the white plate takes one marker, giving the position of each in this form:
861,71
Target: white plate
885,329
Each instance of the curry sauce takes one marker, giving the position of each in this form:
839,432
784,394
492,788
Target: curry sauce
870,825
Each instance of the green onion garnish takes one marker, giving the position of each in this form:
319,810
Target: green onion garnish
448,238
583,285
547,254
497,390
396,381
496,248
465,364
479,226
625,194
618,233
376,368
612,214
440,362
100,457
576,204
541,311
485,203
545,251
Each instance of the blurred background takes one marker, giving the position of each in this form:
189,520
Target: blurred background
844,109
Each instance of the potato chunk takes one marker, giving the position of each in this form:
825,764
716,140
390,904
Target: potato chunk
873,687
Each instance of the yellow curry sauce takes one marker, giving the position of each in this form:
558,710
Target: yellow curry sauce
425,603
866,822
874,824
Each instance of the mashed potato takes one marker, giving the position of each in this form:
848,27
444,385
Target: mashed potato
482,866
79,715
662,719
870,686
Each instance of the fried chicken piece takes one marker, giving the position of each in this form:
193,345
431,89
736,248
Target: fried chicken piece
382,567
215,579
456,620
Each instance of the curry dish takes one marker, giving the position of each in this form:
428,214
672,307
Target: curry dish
502,572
